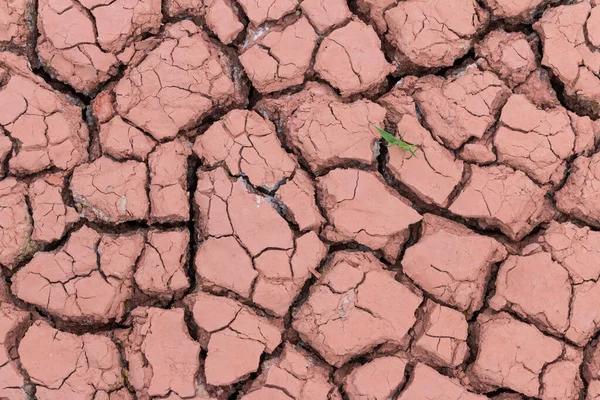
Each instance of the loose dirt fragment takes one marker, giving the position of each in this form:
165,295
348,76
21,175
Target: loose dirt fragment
294,373
15,19
375,10
51,216
328,133
298,198
376,380
434,173
359,207
516,11
67,366
533,140
162,357
222,19
111,191
479,151
538,89
179,83
515,355
571,54
432,33
351,60
88,280
452,263
441,336
168,165
427,383
238,337
247,245
267,58
259,11
461,107
46,126
508,54
161,269
79,40
176,8
12,323
123,141
247,145
500,197
347,312
576,198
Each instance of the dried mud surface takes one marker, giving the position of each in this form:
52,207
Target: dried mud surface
195,202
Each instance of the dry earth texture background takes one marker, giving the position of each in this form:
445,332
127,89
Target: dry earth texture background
195,203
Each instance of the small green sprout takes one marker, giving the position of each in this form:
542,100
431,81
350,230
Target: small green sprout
394,141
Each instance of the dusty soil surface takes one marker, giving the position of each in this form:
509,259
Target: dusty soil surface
195,202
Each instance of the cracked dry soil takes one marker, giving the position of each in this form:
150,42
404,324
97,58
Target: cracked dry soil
195,204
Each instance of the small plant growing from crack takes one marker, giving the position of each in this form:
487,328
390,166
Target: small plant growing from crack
394,141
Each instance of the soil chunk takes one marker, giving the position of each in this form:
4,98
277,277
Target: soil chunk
346,313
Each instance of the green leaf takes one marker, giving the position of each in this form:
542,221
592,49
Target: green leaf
394,141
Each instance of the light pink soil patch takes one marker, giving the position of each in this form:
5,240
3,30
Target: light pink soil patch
427,383
298,198
452,263
248,247
515,355
500,197
222,19
441,336
161,268
433,173
329,133
51,216
15,17
367,381
66,366
347,312
88,280
351,60
508,54
162,357
326,14
570,55
178,84
295,372
13,322
538,141
267,59
238,337
461,107
79,40
111,191
352,200
576,196
432,33
15,222
168,165
266,10
48,127
247,144
123,141
561,300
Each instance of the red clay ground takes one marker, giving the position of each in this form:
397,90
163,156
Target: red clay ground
195,203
